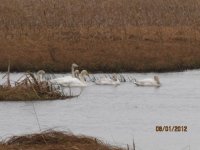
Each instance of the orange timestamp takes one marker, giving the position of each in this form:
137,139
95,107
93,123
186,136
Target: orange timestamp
171,129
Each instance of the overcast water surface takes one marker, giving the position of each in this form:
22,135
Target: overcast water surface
118,114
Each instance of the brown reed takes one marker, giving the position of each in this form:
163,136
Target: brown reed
55,140
100,35
30,89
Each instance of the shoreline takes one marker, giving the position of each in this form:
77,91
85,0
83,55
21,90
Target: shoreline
107,72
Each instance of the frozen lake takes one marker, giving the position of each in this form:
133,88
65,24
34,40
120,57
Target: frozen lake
117,114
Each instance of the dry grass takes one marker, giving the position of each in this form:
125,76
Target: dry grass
27,94
55,141
100,35
29,89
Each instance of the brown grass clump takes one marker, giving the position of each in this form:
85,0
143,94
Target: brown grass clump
26,94
101,35
29,89
54,141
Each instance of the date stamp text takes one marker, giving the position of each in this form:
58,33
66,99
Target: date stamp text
171,128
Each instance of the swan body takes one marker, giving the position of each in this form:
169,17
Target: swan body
108,81
69,81
148,82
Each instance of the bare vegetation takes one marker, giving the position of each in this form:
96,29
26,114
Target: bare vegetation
104,35
54,141
29,89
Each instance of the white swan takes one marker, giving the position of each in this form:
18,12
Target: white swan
108,81
69,81
73,73
148,82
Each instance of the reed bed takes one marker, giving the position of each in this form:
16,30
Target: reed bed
54,140
29,89
101,35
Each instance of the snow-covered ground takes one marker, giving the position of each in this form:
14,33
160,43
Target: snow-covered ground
118,114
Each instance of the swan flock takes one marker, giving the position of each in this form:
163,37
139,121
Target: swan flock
80,79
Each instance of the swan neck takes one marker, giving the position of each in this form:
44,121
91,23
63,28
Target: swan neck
40,77
157,81
81,78
73,72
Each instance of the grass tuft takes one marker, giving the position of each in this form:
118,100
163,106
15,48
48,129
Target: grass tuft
54,140
30,89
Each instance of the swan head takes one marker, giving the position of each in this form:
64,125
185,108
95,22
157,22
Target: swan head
84,73
74,65
41,72
156,78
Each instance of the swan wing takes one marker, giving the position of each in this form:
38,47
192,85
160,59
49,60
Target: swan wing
66,79
107,81
104,81
146,82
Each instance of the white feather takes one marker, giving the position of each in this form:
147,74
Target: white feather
108,81
148,82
